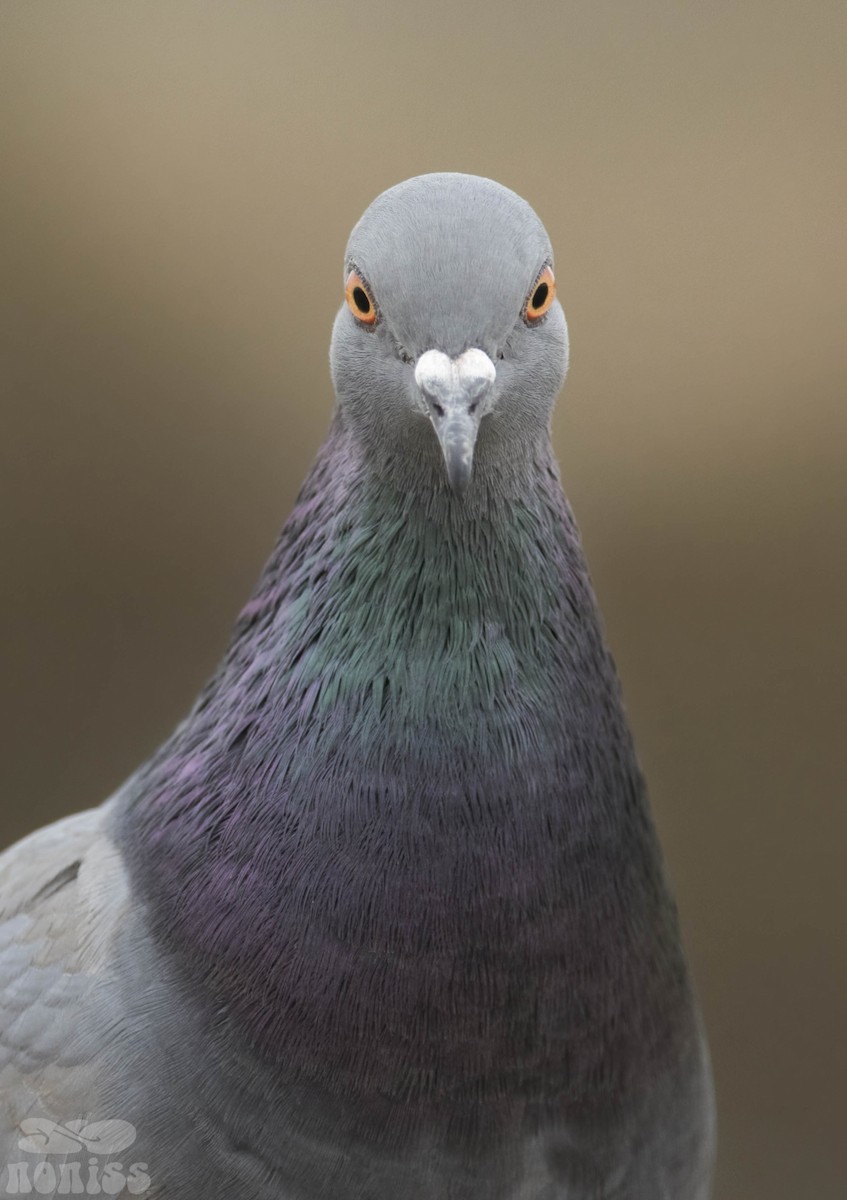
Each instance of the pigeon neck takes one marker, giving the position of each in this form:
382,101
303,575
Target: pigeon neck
413,761
405,613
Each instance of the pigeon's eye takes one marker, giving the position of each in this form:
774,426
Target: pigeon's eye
359,300
541,297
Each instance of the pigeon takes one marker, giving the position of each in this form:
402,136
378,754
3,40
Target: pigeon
386,918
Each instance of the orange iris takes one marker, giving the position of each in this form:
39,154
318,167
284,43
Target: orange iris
542,296
359,300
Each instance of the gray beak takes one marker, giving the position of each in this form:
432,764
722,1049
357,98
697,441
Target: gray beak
455,391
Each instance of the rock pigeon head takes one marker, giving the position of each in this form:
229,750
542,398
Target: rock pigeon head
450,345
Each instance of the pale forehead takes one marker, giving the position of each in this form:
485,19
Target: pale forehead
435,217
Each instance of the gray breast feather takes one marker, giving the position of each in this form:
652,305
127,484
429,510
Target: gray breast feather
63,895
106,1056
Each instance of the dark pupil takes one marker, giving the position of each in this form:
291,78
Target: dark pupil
540,295
360,299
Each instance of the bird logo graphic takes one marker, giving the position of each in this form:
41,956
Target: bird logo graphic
39,1135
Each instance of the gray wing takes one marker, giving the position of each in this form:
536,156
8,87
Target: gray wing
63,896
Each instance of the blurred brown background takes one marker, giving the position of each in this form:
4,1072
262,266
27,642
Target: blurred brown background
177,181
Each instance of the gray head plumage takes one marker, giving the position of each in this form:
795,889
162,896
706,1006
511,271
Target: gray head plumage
440,333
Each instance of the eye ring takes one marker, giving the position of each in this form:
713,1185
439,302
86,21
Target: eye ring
359,299
541,296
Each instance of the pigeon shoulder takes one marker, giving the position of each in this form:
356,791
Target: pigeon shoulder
63,897
46,862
